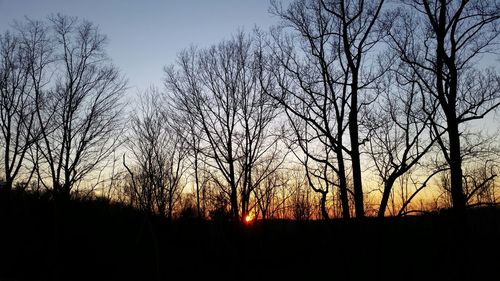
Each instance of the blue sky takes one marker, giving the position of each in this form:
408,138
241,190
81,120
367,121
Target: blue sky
146,35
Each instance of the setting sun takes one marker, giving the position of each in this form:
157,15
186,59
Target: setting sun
248,218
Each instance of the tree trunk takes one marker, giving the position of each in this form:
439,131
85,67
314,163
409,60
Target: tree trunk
8,179
385,196
234,204
170,206
243,205
234,195
197,183
343,185
62,192
324,211
447,89
457,194
356,162
7,184
232,181
245,189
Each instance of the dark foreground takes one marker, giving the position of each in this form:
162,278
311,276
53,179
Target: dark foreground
42,240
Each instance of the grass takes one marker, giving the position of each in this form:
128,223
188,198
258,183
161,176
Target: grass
41,239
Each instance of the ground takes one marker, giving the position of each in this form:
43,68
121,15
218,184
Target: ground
95,240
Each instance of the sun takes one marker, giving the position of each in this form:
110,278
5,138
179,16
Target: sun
248,218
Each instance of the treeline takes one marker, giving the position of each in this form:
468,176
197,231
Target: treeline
343,109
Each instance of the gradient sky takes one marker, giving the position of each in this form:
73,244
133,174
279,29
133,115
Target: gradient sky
146,35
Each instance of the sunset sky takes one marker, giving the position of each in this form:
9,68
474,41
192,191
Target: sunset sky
144,36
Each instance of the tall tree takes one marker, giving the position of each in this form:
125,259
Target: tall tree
306,86
219,86
259,138
356,24
17,104
399,135
186,123
205,86
159,152
81,114
327,77
442,42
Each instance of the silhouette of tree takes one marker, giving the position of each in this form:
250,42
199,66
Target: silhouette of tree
322,74
266,195
21,53
318,176
80,114
399,135
442,42
301,205
480,186
194,141
480,170
357,28
219,88
313,106
186,124
159,153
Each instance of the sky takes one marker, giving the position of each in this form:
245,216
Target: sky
146,35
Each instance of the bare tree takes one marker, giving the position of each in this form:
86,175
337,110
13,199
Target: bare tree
480,183
265,193
17,104
301,205
399,135
220,89
159,153
323,84
306,85
205,86
320,180
194,141
275,194
186,124
480,169
81,113
259,138
356,25
319,176
442,43
39,49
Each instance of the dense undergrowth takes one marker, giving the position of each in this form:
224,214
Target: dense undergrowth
43,239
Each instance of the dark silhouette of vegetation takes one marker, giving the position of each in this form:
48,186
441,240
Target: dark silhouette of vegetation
96,239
